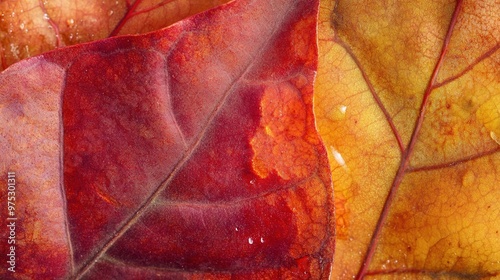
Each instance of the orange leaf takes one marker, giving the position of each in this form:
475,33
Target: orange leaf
408,104
32,27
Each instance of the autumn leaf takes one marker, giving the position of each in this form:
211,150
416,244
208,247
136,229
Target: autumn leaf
407,100
186,153
32,27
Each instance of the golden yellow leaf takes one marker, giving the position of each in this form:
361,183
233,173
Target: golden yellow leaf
408,104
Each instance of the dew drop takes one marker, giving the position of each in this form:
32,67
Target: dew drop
46,17
342,109
111,12
495,137
21,25
14,50
262,240
338,157
250,241
236,229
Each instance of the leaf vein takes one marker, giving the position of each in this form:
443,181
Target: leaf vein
143,207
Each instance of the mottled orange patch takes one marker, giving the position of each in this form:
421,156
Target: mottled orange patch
279,143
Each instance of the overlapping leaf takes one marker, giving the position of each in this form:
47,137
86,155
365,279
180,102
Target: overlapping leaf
32,27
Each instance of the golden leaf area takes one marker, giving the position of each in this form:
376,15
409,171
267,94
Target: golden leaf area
407,101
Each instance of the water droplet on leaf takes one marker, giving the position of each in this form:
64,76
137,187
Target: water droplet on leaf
495,137
343,108
338,157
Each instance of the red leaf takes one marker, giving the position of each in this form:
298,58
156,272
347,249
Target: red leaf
187,152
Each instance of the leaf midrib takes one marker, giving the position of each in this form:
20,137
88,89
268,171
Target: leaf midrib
407,152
